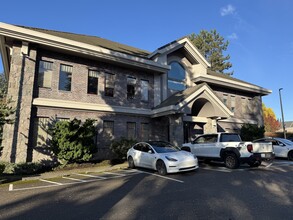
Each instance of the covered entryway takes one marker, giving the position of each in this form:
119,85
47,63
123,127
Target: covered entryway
195,110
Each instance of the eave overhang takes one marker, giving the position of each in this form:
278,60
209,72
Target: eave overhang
230,83
188,47
204,89
32,36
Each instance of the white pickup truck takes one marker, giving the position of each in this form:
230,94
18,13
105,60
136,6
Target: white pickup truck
229,148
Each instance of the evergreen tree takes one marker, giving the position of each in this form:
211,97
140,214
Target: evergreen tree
5,109
212,46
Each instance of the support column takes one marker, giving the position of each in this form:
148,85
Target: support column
20,89
176,129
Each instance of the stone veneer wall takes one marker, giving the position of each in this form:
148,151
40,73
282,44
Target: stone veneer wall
20,89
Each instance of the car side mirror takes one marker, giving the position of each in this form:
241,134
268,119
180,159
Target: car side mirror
150,151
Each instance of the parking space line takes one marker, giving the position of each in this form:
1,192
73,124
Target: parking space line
48,181
164,177
116,174
74,179
88,175
217,169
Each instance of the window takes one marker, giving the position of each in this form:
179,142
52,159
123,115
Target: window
145,131
92,84
145,90
65,78
45,74
232,103
131,82
225,99
243,105
108,128
176,77
109,84
131,130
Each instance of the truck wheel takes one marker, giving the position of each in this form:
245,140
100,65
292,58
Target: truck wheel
290,155
231,161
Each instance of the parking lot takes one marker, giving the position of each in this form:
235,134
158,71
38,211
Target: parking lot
78,178
211,192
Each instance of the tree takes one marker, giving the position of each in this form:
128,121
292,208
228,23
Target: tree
250,132
5,109
212,46
73,141
270,122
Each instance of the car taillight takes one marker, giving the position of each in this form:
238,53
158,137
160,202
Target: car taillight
249,148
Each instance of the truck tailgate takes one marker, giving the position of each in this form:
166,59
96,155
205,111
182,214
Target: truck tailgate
262,147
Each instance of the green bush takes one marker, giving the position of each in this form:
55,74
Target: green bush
73,141
250,132
21,168
121,146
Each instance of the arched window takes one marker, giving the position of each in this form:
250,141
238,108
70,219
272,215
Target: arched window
176,77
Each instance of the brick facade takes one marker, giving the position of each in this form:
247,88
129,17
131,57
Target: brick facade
36,107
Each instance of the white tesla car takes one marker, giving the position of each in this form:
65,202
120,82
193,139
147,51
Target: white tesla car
161,156
282,147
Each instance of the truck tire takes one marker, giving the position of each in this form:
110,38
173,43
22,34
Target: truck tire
231,161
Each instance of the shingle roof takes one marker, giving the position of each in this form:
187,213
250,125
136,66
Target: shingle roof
95,41
224,76
178,97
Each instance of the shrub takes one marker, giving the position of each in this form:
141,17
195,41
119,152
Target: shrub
21,168
250,132
121,146
73,141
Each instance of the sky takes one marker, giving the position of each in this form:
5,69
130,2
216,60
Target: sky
260,32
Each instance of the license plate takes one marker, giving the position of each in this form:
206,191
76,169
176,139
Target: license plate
265,155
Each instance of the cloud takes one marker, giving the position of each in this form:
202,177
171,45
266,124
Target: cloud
232,36
228,10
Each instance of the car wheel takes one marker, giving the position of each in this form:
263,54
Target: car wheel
131,162
231,161
161,167
290,155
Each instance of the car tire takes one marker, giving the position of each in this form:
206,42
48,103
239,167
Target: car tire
131,162
231,161
161,167
290,155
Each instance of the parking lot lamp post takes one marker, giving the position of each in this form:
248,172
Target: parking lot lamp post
283,123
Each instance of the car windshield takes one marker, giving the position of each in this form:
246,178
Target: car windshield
285,141
164,147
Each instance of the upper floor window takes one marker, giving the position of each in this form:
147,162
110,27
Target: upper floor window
233,103
109,84
93,80
144,90
65,77
176,77
225,99
45,74
131,82
243,105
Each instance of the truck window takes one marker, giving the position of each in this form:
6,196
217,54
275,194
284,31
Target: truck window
230,138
